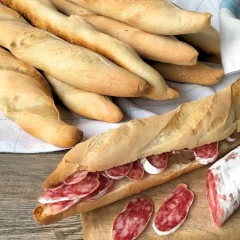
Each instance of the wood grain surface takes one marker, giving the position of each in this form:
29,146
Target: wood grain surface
21,177
97,224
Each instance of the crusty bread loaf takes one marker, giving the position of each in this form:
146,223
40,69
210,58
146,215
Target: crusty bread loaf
151,46
86,104
153,16
198,74
74,29
75,65
208,40
193,124
25,97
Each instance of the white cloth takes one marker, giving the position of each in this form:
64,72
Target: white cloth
230,35
13,139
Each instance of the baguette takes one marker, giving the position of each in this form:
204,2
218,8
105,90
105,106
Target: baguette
26,98
154,47
207,40
75,30
198,74
86,104
207,120
153,16
75,65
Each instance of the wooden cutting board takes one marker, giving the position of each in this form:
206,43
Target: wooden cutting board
97,224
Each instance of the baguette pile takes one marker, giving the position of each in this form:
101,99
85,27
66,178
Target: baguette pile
89,51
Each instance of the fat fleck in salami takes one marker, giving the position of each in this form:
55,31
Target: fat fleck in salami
155,164
119,172
233,137
174,211
136,172
71,192
105,185
206,153
223,186
76,177
132,221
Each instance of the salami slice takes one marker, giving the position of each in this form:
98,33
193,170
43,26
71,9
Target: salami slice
207,153
119,172
71,192
105,185
61,206
174,211
223,186
76,177
136,172
155,164
132,221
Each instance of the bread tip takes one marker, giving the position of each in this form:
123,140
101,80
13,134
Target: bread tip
172,93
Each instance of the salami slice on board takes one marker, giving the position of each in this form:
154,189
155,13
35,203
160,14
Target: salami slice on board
105,185
119,172
71,192
207,153
76,177
173,211
132,221
155,164
136,172
223,186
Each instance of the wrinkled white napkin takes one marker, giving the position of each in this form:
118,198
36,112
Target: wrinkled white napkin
230,35
13,139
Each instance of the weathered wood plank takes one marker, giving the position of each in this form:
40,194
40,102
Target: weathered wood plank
21,176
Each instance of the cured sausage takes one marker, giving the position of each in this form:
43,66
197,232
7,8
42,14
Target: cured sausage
223,186
76,177
207,153
136,172
119,172
174,211
132,221
105,185
71,192
233,137
61,206
155,164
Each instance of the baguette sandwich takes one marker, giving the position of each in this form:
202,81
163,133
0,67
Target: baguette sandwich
141,154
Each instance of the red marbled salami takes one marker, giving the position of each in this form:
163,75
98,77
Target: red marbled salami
105,185
76,177
156,164
71,192
60,206
136,172
223,186
207,153
132,221
233,137
119,172
173,211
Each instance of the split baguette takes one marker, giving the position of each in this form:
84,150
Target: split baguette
85,104
74,29
207,40
66,62
26,98
198,74
153,16
193,124
154,47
